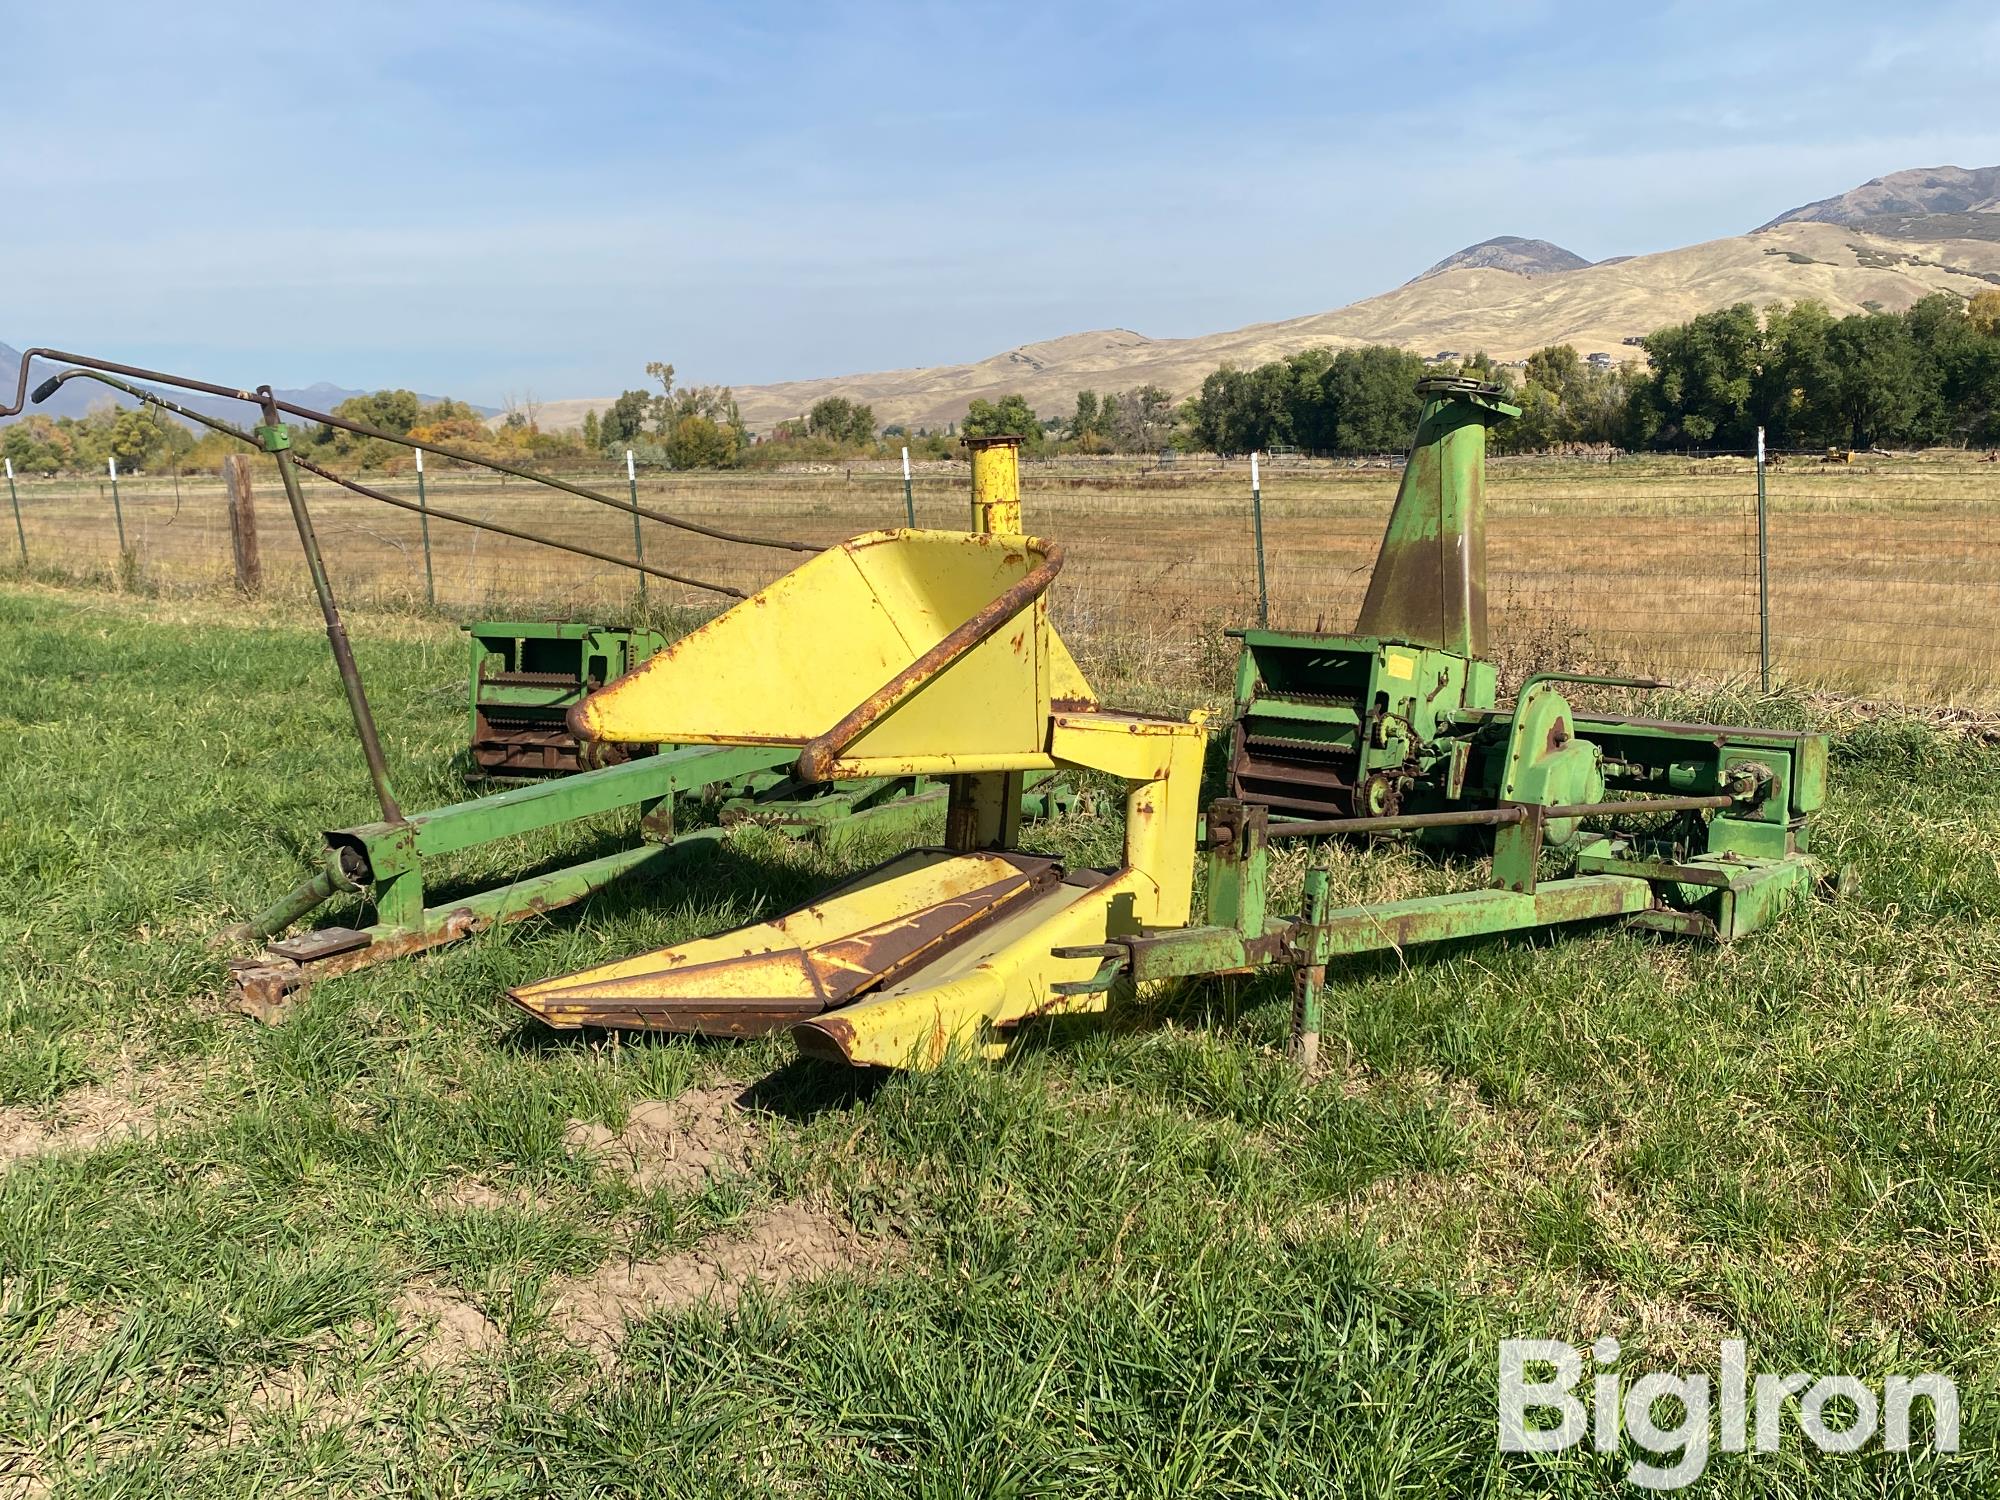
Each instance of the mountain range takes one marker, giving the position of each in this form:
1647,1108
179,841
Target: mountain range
1509,252
1882,245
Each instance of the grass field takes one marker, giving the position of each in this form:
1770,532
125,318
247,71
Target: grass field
407,1242
1885,576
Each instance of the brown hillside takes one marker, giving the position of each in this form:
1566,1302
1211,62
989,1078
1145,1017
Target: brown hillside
1508,315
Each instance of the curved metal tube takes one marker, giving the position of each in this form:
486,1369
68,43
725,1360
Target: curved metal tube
229,430
263,396
526,536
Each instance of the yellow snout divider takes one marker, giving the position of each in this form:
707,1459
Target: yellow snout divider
897,653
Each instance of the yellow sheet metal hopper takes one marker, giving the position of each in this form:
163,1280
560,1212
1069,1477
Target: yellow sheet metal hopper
903,652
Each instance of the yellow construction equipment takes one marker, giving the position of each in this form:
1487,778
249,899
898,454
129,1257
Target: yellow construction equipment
897,653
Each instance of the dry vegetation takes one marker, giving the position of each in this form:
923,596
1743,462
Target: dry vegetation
1885,579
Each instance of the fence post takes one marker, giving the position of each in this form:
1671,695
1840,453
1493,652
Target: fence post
15,495
424,521
243,523
1257,524
638,542
909,501
117,510
1763,574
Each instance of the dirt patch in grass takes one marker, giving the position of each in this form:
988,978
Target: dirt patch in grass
471,1195
83,1119
298,1396
773,1248
444,1330
680,1143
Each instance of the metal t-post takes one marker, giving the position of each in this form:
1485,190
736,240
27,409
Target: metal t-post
1763,573
1257,526
909,501
277,441
424,520
117,510
638,542
15,495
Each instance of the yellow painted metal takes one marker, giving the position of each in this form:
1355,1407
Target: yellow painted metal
967,1000
996,484
819,952
973,997
893,653
837,635
1161,761
983,810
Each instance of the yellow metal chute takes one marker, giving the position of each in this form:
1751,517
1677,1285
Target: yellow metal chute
904,652
892,648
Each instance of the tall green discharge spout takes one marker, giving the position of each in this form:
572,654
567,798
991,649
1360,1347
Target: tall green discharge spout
1429,585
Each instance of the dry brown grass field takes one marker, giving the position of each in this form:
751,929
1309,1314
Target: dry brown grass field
1885,574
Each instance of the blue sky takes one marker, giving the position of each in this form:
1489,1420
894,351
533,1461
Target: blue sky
509,196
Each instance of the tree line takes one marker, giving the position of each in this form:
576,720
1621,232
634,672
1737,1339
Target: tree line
1929,376
1926,377
143,439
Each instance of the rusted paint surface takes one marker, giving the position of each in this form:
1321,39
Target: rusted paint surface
828,1038
753,992
1428,587
265,987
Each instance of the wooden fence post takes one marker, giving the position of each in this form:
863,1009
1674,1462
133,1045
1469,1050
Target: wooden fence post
242,523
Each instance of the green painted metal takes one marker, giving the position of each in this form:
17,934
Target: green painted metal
1237,834
535,894
288,908
1697,829
1429,583
389,861
1330,726
544,804
525,675
1481,913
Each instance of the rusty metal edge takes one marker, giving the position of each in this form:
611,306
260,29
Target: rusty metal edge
817,757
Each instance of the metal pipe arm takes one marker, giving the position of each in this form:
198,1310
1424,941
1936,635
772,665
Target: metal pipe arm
1502,817
263,397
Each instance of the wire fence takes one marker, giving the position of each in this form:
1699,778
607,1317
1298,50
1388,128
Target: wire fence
1884,574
